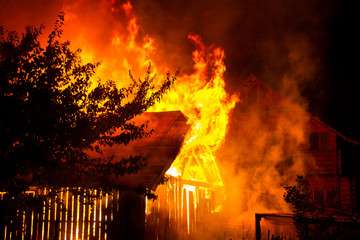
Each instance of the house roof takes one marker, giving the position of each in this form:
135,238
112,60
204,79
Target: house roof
160,149
273,98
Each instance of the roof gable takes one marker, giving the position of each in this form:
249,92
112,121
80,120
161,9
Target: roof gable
160,149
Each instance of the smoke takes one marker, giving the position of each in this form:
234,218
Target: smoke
16,15
257,36
261,155
254,34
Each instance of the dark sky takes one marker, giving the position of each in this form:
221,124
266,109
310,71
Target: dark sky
341,79
315,42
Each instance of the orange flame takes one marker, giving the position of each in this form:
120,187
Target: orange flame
119,47
201,96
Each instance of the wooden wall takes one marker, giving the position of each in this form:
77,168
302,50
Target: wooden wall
183,208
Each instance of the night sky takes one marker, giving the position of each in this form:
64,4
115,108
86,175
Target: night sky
315,42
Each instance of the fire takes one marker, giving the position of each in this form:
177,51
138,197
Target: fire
201,96
119,47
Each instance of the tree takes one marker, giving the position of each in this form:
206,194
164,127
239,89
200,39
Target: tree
315,220
52,116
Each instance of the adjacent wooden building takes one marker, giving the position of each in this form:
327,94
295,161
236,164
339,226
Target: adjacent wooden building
332,161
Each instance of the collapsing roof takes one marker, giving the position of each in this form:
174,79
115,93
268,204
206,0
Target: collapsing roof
160,149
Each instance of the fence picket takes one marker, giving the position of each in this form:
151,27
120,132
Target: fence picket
67,216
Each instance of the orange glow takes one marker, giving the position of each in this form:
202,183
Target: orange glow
120,48
201,95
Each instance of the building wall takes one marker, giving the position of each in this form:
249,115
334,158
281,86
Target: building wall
183,209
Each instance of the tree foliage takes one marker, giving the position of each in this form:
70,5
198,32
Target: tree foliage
316,220
53,114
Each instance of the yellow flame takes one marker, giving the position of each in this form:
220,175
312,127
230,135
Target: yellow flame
202,97
119,48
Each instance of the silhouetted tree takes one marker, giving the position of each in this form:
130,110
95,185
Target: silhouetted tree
52,116
315,220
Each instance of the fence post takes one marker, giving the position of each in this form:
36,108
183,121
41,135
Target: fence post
257,226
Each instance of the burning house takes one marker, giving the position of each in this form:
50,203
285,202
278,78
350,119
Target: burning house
225,157
269,142
200,189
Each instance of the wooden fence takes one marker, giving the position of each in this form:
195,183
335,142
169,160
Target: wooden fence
67,216
183,208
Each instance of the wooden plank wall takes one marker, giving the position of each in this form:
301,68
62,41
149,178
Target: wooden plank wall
167,215
74,219
347,192
180,210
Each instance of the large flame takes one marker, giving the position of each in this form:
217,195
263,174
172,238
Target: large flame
201,96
